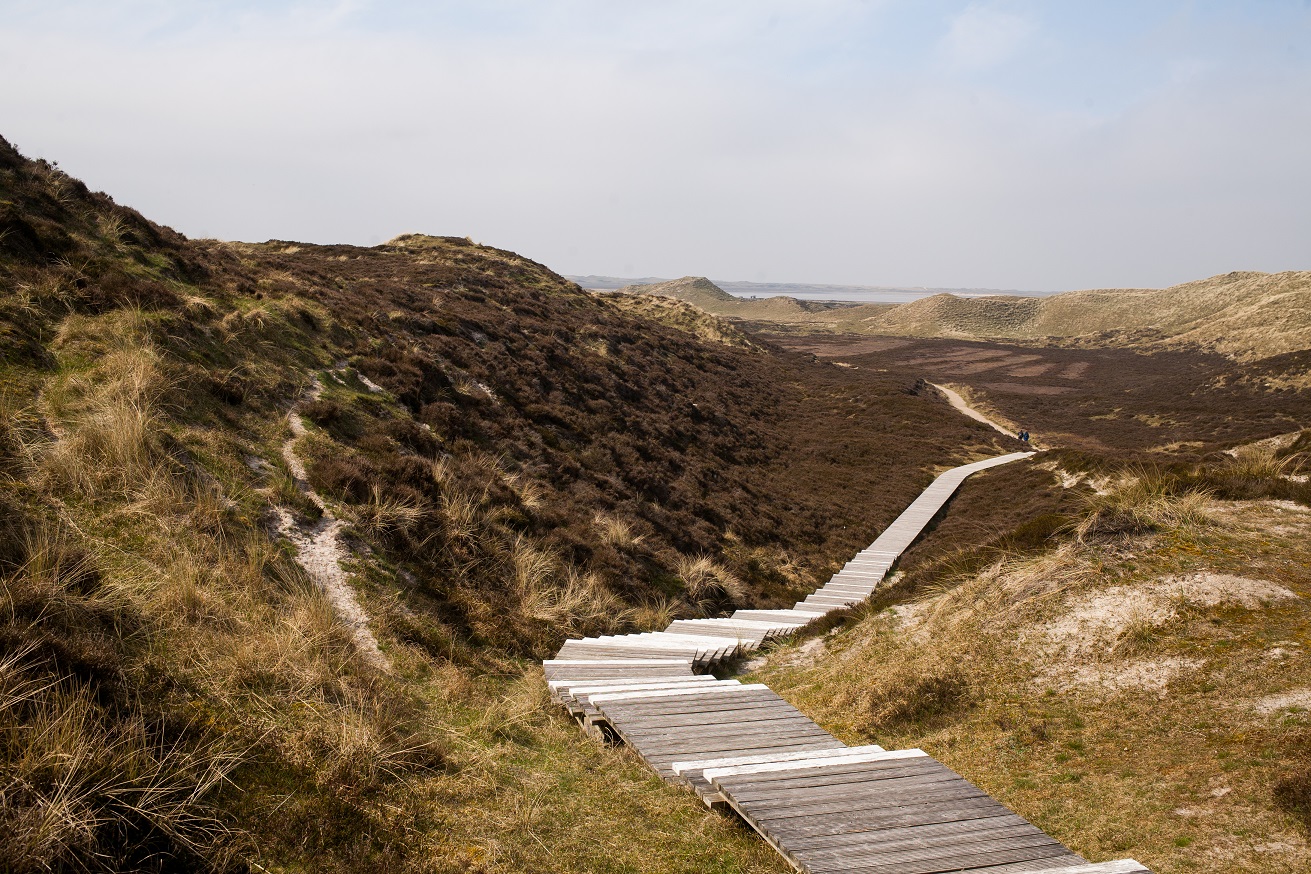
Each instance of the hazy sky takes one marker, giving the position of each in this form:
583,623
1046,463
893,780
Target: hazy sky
1031,145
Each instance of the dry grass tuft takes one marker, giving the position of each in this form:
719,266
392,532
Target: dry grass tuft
561,596
1142,502
655,614
704,579
616,532
1262,462
85,788
382,515
107,422
916,690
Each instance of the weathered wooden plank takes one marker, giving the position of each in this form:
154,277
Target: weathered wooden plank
692,716
719,721
578,694
759,760
1120,866
720,688
861,796
872,806
1032,866
704,737
929,862
744,698
818,763
797,616
582,685
883,843
649,737
926,813
846,785
896,836
941,848
626,663
711,734
859,770
663,760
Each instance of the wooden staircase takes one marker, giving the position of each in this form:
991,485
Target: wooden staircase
824,806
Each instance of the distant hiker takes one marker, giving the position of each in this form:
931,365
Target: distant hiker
1024,438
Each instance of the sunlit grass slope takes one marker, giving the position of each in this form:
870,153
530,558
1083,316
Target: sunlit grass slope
1137,683
513,460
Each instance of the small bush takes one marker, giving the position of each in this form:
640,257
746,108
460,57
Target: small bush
322,413
1143,502
1292,794
916,692
616,532
705,580
348,477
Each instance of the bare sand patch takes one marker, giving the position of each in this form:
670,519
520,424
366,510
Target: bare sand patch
1022,388
1075,370
319,547
1140,675
1296,699
1030,370
1095,623
961,405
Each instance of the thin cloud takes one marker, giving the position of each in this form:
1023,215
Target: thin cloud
984,36
757,140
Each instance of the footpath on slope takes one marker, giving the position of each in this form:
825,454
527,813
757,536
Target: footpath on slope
824,806
319,549
959,403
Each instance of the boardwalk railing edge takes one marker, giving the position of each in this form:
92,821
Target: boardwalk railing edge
824,806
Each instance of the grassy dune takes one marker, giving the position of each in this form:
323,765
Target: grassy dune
511,459
1244,315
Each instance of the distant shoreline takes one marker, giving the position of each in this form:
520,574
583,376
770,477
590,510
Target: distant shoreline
855,294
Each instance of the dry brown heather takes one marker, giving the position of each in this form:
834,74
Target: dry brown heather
176,694
1156,405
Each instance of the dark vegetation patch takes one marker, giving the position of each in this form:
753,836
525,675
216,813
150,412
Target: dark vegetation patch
919,691
1110,401
1292,789
1016,509
775,464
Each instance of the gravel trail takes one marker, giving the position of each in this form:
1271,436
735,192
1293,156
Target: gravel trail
319,549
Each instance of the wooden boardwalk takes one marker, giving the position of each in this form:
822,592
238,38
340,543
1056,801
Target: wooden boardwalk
824,806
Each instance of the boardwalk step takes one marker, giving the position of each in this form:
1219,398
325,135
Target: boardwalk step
824,806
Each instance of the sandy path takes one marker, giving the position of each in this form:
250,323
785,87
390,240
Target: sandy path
959,403
319,549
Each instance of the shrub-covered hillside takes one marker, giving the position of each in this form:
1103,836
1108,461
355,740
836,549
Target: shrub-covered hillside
494,458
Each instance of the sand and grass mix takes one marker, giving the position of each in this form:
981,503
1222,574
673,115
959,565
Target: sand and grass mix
1138,686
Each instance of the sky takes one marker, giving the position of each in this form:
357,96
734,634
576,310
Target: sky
1012,145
